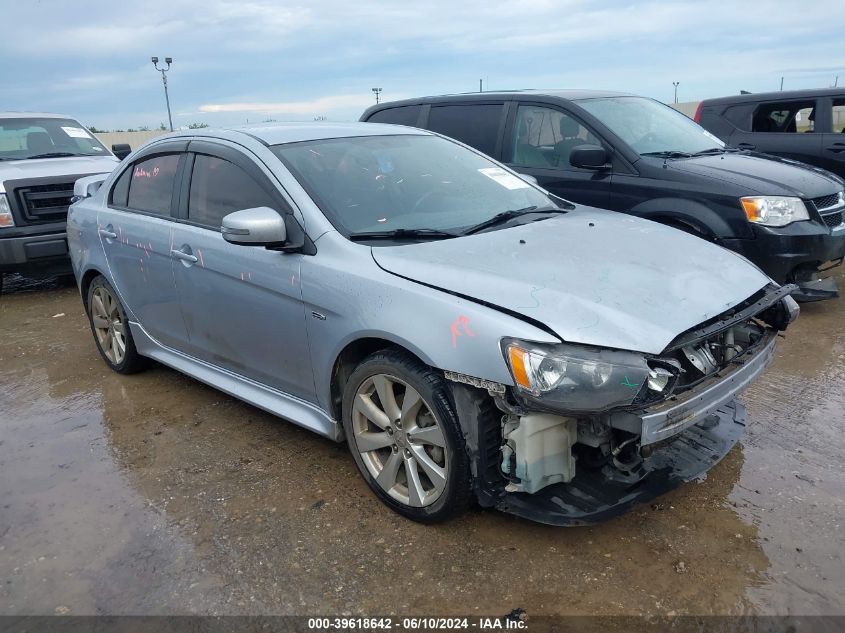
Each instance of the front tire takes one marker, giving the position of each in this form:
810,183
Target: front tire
404,435
111,328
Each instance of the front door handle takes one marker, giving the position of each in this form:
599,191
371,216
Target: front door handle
185,257
108,234
745,146
836,148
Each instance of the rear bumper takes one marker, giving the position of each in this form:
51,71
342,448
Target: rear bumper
792,253
45,253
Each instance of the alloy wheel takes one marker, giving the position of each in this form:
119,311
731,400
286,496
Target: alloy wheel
109,326
400,440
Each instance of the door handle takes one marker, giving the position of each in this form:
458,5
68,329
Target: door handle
185,257
745,146
836,148
109,235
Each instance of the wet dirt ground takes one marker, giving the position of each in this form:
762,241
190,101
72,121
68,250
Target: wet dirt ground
153,494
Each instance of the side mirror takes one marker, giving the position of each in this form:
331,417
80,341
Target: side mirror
261,226
88,186
121,150
529,179
589,157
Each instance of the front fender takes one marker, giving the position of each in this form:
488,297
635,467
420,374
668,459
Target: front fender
692,212
355,299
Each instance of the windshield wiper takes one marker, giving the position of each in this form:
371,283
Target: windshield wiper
505,216
669,153
716,150
398,234
54,155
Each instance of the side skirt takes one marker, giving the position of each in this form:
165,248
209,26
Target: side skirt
298,411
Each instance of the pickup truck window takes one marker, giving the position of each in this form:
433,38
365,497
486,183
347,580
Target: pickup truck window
35,137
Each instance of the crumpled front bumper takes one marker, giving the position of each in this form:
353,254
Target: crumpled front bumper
595,496
670,418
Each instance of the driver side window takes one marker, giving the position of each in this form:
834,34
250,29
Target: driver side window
544,138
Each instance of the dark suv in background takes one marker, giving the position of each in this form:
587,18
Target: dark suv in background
804,125
639,156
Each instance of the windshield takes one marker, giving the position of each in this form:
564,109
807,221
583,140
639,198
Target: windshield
386,183
30,137
650,127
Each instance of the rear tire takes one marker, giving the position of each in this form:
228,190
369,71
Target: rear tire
110,328
405,437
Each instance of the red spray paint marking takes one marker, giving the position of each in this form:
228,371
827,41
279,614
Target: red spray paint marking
461,322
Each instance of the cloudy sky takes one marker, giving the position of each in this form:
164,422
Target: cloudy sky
256,59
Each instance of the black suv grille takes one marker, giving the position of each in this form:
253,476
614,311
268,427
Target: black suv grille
826,202
833,219
45,203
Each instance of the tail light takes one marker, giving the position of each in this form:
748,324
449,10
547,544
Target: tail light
697,117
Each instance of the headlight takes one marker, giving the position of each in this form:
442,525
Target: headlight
575,378
6,218
774,210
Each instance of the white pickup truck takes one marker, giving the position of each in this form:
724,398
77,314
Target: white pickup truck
41,156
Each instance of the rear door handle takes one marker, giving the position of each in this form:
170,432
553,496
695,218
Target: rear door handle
836,148
185,257
106,233
745,146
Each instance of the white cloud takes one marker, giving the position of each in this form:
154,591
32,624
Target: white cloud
320,105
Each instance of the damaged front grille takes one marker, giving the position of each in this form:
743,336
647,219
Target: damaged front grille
714,345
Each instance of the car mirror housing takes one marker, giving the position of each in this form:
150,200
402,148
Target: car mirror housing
531,180
121,150
261,226
589,157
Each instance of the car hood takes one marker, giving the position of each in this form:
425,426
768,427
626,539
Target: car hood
592,276
761,174
49,167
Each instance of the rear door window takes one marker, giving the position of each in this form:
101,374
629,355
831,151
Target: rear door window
151,184
796,117
544,137
837,124
405,115
475,125
219,187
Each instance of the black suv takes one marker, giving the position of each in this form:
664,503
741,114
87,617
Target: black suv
639,156
805,125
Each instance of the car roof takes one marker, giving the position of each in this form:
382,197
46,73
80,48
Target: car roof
778,95
293,132
34,115
569,95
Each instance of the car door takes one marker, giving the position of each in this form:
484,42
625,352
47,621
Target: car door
783,128
538,141
832,115
241,304
135,231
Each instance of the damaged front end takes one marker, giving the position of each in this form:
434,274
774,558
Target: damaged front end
586,433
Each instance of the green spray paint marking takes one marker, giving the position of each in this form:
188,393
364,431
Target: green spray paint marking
628,383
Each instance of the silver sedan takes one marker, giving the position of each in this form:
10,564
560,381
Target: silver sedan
469,335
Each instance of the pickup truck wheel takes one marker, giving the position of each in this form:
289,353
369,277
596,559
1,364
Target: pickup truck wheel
111,329
405,437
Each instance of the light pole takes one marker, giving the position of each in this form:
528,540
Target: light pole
676,84
163,71
376,91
